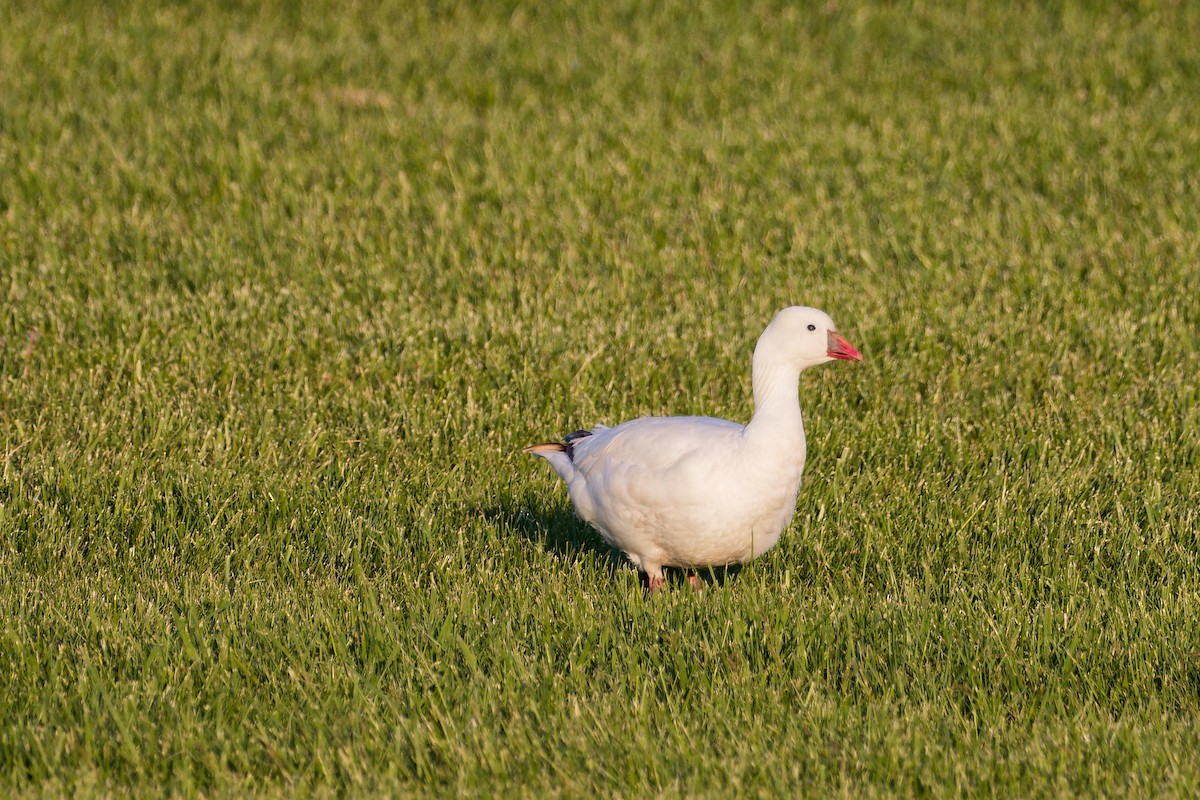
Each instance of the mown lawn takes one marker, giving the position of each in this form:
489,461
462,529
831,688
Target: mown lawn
284,291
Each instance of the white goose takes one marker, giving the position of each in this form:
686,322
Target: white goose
697,491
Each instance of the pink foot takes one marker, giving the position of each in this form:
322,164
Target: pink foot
695,581
655,582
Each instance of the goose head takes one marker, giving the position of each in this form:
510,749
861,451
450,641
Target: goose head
802,337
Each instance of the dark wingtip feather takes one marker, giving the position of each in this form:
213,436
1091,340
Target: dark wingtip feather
570,439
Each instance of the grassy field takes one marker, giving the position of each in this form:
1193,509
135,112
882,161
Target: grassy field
283,292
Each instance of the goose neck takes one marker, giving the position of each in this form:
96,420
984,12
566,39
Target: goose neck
776,398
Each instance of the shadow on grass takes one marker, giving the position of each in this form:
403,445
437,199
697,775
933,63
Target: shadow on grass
558,530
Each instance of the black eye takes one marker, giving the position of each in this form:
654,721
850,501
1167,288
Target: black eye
812,327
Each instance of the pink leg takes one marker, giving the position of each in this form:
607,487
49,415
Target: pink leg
695,581
655,582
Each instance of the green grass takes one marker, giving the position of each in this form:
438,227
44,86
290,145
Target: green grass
284,292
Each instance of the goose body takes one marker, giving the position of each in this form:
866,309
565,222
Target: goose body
698,491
